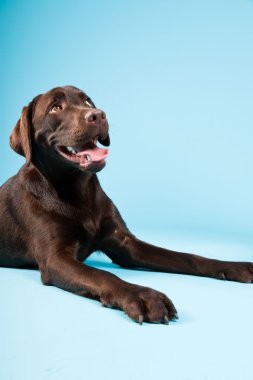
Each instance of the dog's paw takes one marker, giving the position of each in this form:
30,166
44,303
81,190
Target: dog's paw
235,271
143,304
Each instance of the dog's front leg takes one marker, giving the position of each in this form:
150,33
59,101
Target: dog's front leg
140,303
128,251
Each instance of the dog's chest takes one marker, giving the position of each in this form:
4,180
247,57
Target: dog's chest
83,251
88,239
90,220
86,245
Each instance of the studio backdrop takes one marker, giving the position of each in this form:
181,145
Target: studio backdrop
175,79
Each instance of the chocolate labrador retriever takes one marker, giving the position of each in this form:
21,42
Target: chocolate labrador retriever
54,213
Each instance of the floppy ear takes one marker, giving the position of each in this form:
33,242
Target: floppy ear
20,139
106,141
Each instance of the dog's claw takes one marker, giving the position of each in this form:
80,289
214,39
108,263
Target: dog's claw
165,320
140,319
222,276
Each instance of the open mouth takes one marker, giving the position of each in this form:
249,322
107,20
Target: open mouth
86,154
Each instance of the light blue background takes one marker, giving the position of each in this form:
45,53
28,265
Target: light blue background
175,79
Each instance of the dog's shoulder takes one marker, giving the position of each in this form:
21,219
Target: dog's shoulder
32,181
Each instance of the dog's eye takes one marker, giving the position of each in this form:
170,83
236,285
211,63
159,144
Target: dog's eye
56,108
89,102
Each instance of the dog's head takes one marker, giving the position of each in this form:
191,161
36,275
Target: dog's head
63,124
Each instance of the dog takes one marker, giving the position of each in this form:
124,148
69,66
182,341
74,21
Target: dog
54,213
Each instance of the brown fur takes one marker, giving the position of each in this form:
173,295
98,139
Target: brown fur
54,214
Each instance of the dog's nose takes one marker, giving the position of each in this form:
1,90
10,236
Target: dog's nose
95,117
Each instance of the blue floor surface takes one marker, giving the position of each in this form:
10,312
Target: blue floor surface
47,333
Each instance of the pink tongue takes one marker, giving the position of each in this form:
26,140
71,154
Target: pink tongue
95,153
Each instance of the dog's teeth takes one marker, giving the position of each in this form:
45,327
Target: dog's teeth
88,157
71,149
